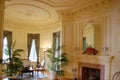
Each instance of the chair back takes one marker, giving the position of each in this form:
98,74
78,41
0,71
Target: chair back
42,63
26,62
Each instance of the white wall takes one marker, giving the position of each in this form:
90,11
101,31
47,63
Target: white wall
20,36
107,16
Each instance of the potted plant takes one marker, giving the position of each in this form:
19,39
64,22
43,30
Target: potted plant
90,51
56,63
13,62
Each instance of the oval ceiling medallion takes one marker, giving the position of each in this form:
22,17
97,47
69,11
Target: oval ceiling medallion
32,13
25,12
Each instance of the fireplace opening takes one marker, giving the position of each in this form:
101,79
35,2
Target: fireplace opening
90,73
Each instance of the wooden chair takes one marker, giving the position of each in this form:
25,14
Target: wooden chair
27,67
40,68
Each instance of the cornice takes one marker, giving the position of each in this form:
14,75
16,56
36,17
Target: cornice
59,4
12,25
104,4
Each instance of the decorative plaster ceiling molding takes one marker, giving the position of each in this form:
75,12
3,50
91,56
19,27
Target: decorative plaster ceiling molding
104,4
27,11
43,14
60,4
30,12
11,24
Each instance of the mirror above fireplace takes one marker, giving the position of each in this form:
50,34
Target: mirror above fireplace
91,36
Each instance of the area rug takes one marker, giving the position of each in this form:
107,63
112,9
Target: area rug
30,77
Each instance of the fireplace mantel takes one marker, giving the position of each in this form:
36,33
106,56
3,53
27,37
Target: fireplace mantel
95,59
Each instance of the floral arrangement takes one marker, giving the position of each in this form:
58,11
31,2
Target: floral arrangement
90,51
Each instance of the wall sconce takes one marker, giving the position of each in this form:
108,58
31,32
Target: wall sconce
107,50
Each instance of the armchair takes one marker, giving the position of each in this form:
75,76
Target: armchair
27,67
40,67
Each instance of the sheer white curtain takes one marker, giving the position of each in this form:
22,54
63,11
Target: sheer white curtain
33,53
5,43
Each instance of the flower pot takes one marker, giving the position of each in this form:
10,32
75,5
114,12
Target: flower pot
53,75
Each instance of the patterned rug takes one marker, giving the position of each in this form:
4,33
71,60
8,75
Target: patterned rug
27,76
30,77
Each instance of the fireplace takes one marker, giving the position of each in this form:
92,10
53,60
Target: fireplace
94,67
91,71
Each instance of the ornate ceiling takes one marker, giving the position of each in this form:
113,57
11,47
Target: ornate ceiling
69,4
39,13
60,4
30,13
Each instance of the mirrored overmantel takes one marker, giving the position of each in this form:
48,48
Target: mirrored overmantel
91,36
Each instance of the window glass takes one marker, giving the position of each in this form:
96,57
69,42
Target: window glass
5,48
57,44
33,54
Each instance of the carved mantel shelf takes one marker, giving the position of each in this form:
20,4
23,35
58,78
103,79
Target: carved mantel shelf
95,58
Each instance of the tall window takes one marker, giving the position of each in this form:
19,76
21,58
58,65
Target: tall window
56,41
33,53
7,41
33,47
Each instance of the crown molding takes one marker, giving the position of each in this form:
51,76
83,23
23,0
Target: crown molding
102,5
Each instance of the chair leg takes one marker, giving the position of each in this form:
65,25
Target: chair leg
21,75
32,73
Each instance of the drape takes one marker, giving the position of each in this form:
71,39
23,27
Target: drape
56,40
56,35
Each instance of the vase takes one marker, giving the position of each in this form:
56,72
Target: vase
53,75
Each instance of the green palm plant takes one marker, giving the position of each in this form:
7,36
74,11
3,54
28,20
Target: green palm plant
13,62
56,63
